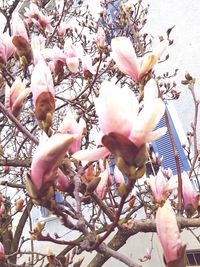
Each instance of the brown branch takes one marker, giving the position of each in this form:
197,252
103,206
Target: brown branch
15,162
145,226
17,123
175,154
19,230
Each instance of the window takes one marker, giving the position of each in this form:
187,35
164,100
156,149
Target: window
193,257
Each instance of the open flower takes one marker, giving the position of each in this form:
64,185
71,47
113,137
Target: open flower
15,96
125,57
71,126
46,159
119,116
158,186
35,16
6,48
169,236
73,54
42,88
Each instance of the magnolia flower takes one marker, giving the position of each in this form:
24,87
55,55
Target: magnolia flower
190,197
158,186
71,126
35,16
118,112
55,59
20,40
37,45
73,54
15,96
125,57
169,236
42,88
2,252
63,181
100,38
88,68
47,157
6,48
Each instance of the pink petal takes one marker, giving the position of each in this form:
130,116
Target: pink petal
18,28
47,157
41,80
189,195
146,121
102,186
168,232
116,108
124,55
91,155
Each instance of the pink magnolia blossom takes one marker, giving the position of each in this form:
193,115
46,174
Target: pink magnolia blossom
158,185
71,126
168,234
6,48
125,57
19,29
2,252
73,54
88,68
190,197
42,88
118,111
37,45
35,16
20,40
63,181
47,157
100,38
15,96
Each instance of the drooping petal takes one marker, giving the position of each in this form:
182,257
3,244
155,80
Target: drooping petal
146,121
160,48
91,155
152,136
151,59
124,55
168,232
116,108
150,92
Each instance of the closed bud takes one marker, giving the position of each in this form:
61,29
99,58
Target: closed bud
91,187
122,190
